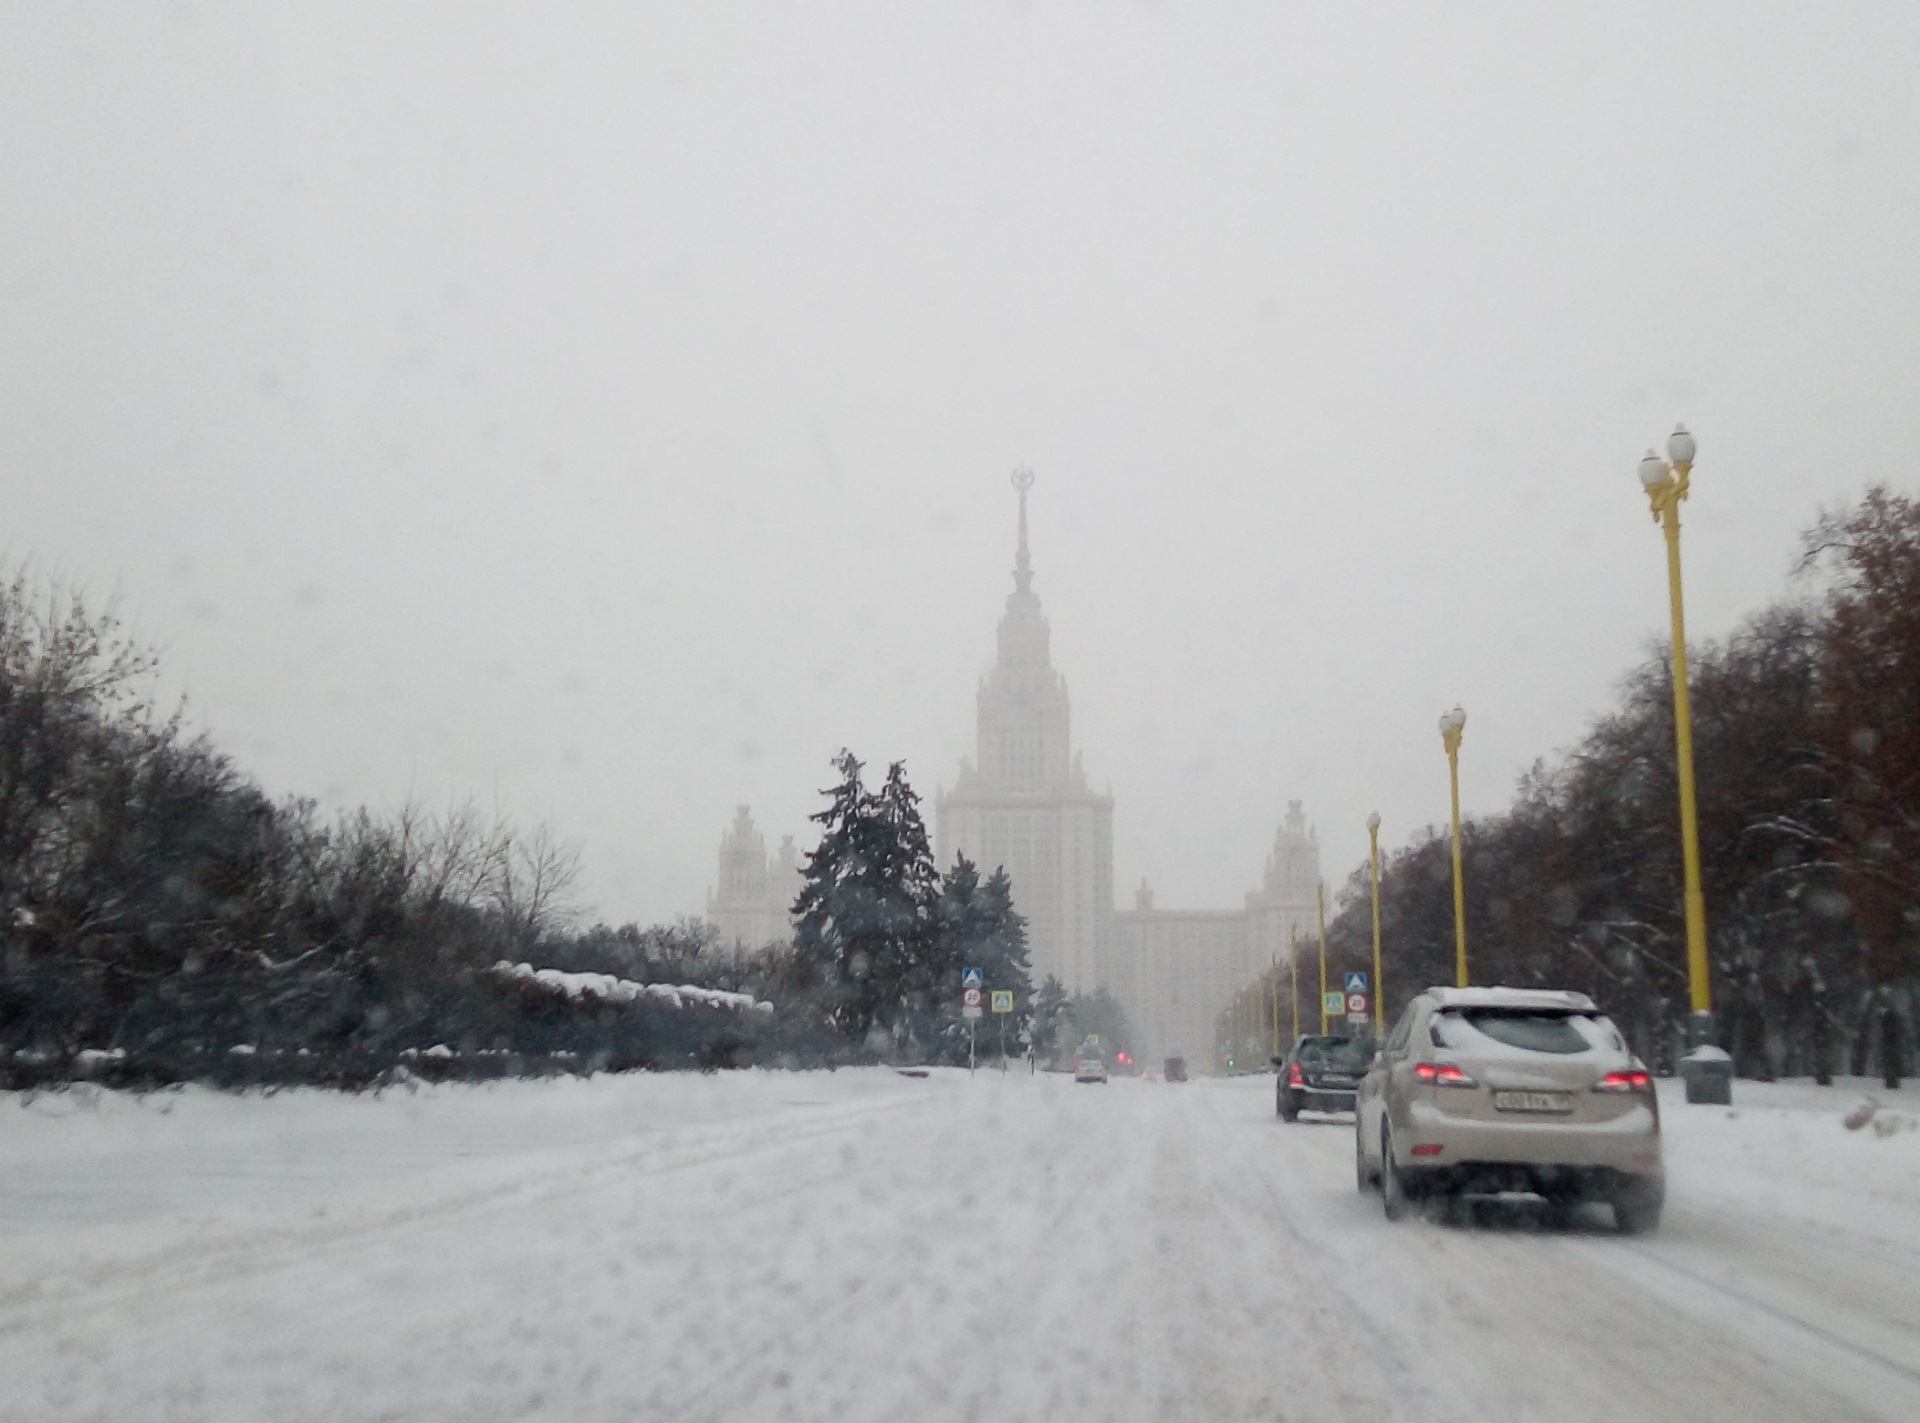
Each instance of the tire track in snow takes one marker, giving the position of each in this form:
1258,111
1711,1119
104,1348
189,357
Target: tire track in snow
1582,1343
916,1224
1868,1377
197,1259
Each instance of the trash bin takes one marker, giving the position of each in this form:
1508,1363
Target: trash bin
1708,1073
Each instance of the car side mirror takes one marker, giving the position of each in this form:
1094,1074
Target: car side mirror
1277,1061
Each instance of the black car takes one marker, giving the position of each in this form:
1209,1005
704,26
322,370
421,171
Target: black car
1320,1074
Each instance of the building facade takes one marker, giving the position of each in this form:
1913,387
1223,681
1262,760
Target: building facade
752,904
1024,802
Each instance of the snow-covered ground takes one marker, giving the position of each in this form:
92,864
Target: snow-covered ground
859,1245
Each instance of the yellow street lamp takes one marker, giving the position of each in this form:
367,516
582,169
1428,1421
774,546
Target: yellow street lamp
1293,975
1451,725
1273,1001
1323,957
1379,983
1666,485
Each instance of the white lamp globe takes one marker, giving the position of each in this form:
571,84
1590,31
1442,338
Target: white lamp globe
1680,445
1653,470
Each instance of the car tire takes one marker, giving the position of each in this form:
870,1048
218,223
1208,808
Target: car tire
1285,1107
1364,1180
1394,1199
1636,1207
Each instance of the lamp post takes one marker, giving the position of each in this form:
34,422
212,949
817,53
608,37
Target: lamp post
1451,725
1379,984
1322,900
1293,975
1273,1000
1666,485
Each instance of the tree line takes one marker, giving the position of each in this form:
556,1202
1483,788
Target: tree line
162,919
1806,723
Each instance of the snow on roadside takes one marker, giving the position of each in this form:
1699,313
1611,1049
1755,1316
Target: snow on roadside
84,1157
1845,1156
626,990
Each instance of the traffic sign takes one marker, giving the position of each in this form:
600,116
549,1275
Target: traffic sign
1356,983
1356,1005
1003,1000
1334,1002
972,978
970,998
972,1012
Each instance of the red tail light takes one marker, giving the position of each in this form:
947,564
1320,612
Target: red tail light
1442,1074
1294,1077
1633,1081
1426,1149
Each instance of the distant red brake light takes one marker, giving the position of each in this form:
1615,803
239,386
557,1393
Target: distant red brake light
1295,1078
1442,1074
1633,1081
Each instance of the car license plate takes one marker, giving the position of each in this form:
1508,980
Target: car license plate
1509,1101
1335,1080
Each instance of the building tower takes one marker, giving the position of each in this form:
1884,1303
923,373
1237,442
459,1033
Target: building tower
1024,802
1285,909
752,905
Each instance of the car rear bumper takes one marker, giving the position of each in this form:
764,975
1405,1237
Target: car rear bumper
1555,1183
1627,1143
1323,1099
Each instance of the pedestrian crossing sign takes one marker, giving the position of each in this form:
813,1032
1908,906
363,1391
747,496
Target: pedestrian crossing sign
1334,1002
972,978
1356,983
1003,1000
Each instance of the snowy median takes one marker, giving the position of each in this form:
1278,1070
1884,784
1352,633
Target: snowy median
608,989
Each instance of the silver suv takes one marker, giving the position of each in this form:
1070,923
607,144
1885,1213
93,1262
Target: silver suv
1489,1091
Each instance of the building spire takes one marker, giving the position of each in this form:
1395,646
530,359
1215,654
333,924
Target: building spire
1022,564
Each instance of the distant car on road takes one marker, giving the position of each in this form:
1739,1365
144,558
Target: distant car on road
1175,1069
1320,1073
1090,1069
1486,1091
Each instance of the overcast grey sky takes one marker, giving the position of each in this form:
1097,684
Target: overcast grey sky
606,410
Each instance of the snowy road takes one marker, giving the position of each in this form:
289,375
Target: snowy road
861,1246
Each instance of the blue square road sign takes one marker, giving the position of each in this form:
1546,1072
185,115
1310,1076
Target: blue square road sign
1356,983
972,978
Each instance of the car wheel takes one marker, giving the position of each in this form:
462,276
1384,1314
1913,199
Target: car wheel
1636,1207
1393,1186
1285,1107
1363,1179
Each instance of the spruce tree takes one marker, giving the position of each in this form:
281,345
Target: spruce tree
867,902
1049,1017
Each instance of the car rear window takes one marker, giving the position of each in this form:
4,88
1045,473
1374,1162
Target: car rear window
1530,1030
1339,1054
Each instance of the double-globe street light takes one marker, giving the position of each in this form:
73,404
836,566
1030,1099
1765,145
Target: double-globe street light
1666,483
1451,725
